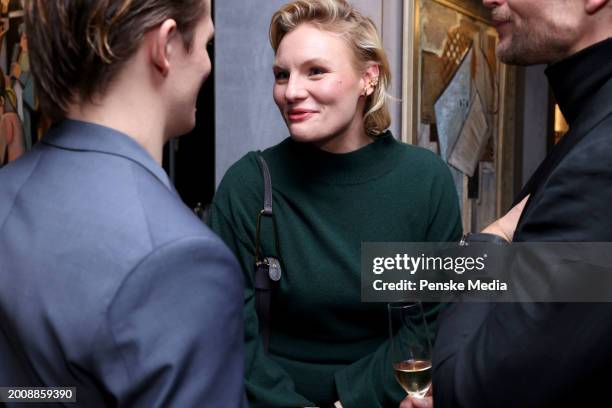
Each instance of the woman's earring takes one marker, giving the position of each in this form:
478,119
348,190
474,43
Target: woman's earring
369,88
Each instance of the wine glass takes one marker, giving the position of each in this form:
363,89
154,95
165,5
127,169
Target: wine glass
410,347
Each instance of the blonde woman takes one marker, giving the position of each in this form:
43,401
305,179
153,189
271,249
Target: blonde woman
340,179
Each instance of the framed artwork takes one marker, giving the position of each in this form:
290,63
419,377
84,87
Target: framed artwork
460,102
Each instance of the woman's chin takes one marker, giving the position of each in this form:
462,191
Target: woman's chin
304,137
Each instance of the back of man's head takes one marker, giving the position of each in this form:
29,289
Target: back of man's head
78,46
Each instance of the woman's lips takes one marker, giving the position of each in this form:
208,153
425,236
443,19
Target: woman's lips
299,115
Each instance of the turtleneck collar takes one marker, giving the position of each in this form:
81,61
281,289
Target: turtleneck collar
576,78
366,163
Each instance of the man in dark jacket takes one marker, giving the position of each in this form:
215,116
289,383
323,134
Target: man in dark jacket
109,283
546,354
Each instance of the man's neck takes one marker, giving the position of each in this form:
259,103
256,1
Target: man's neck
590,39
138,120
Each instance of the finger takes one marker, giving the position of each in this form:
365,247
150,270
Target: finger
406,403
426,402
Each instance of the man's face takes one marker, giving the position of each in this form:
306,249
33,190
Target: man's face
193,67
536,31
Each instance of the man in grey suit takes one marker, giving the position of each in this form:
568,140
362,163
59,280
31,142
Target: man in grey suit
108,282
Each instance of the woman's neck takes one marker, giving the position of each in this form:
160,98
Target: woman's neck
347,140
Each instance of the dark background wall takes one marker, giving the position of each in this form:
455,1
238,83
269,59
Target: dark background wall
190,159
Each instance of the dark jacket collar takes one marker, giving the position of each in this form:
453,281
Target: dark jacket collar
585,109
575,79
85,136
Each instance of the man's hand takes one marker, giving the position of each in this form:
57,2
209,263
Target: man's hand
506,225
414,402
337,404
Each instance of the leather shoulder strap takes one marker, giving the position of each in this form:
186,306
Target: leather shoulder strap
267,269
267,205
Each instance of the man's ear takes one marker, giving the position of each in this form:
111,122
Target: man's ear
161,45
593,6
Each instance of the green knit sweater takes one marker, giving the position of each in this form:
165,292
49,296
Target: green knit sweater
325,344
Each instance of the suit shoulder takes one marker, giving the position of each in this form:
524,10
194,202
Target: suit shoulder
203,249
166,215
199,264
593,152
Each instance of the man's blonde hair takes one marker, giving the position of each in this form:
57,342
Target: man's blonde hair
338,16
78,47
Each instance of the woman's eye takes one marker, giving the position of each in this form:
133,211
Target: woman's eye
316,71
281,75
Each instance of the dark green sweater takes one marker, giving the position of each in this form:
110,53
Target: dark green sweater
325,344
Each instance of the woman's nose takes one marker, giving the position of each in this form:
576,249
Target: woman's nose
296,89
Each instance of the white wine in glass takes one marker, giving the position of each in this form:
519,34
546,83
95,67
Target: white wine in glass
410,347
414,376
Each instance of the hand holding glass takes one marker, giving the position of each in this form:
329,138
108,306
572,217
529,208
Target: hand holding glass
410,347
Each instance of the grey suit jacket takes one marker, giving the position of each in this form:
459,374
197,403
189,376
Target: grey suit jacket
109,283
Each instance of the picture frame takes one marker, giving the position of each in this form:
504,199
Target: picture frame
439,36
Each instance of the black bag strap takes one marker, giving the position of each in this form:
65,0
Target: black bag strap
265,171
267,269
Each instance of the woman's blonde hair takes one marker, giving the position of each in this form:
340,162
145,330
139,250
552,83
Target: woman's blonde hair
339,17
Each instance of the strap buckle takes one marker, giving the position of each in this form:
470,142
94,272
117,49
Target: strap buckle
271,263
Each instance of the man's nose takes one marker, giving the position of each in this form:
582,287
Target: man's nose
492,3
